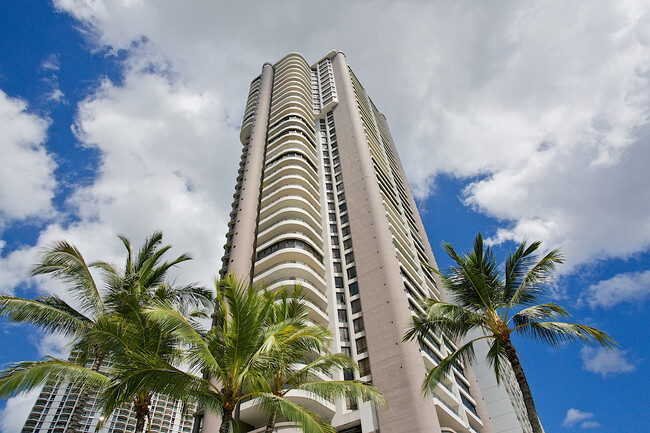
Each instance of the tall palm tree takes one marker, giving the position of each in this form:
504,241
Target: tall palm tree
298,363
500,302
106,324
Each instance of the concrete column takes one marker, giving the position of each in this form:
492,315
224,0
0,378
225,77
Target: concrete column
397,368
242,258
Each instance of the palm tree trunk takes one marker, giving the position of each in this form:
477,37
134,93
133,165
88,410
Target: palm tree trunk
225,421
270,426
523,386
142,413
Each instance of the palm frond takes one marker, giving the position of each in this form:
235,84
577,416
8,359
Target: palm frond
557,333
26,375
308,421
48,313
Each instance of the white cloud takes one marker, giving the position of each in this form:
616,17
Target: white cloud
575,416
550,115
605,362
629,287
16,411
590,424
27,177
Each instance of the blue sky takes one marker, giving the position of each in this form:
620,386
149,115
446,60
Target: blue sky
519,120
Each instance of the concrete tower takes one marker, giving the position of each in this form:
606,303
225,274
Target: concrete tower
322,201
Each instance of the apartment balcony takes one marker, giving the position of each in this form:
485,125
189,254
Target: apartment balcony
449,415
289,212
291,269
290,201
287,255
251,413
289,225
314,294
295,176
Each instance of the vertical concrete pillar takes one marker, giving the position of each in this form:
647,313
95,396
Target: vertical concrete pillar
242,258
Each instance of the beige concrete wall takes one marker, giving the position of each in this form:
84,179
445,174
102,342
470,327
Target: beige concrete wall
397,368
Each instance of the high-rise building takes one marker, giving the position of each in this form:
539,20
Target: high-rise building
322,201
62,407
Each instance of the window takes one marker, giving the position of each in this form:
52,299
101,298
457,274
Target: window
338,282
349,257
348,374
358,324
344,218
339,187
354,289
333,228
468,404
362,345
347,243
337,267
355,306
328,177
335,240
340,298
330,196
331,206
328,186
341,196
338,177
344,333
346,350
364,367
332,217
343,316
343,207
336,253
345,231
351,404
352,272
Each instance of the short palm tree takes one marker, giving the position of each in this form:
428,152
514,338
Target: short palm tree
107,322
231,364
298,363
499,302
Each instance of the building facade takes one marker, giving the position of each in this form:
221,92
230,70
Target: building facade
64,408
322,201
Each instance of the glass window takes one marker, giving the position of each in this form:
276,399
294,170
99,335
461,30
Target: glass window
343,207
337,267
355,306
328,186
333,228
338,282
352,272
344,333
348,374
345,230
340,298
362,345
330,196
332,217
364,367
339,187
347,243
341,196
344,218
349,257
343,316
330,206
354,289
338,177
358,324
346,350
335,240
336,253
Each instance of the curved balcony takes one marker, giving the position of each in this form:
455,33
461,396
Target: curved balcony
291,269
290,225
291,156
268,200
290,176
288,108
251,413
291,141
290,254
315,293
289,212
291,201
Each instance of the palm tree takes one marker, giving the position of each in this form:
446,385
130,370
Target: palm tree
105,325
230,364
290,368
499,302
